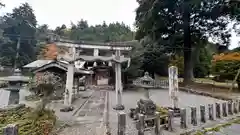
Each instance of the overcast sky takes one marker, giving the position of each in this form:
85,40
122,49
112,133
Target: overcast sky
58,12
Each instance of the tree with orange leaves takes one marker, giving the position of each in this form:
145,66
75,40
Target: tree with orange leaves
49,52
227,66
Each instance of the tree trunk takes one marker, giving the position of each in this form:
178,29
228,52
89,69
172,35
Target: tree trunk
188,60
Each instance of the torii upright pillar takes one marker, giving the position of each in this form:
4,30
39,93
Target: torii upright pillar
70,79
118,82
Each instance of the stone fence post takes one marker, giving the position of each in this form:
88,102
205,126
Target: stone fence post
230,108
194,116
157,124
141,124
211,112
235,104
121,123
11,129
224,109
218,110
183,116
170,120
203,114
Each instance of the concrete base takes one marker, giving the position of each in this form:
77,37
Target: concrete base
119,107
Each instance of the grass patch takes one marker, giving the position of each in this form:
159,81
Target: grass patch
28,120
218,128
32,98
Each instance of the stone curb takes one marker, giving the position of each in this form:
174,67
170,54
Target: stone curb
207,94
79,107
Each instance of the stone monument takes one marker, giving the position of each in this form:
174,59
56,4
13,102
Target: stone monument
173,85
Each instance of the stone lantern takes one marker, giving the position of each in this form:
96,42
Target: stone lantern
146,82
10,95
145,105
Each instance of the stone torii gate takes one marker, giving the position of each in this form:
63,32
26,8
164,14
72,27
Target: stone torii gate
117,58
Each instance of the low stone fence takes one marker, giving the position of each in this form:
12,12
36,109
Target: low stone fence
209,113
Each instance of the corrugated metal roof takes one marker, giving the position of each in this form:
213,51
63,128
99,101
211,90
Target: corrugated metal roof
38,63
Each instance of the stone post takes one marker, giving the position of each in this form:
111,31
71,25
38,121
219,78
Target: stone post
218,110
230,108
173,85
224,109
210,112
235,107
183,116
202,114
141,124
238,105
170,120
157,123
118,82
194,116
106,113
10,129
121,123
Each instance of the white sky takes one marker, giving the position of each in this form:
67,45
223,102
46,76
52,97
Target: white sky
58,12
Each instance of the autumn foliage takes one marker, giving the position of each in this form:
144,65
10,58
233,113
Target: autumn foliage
232,56
50,52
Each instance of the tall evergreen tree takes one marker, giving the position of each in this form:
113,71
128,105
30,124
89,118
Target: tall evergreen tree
21,24
180,25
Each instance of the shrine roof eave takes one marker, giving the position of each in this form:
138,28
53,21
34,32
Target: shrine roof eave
101,58
38,63
79,42
91,45
62,66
